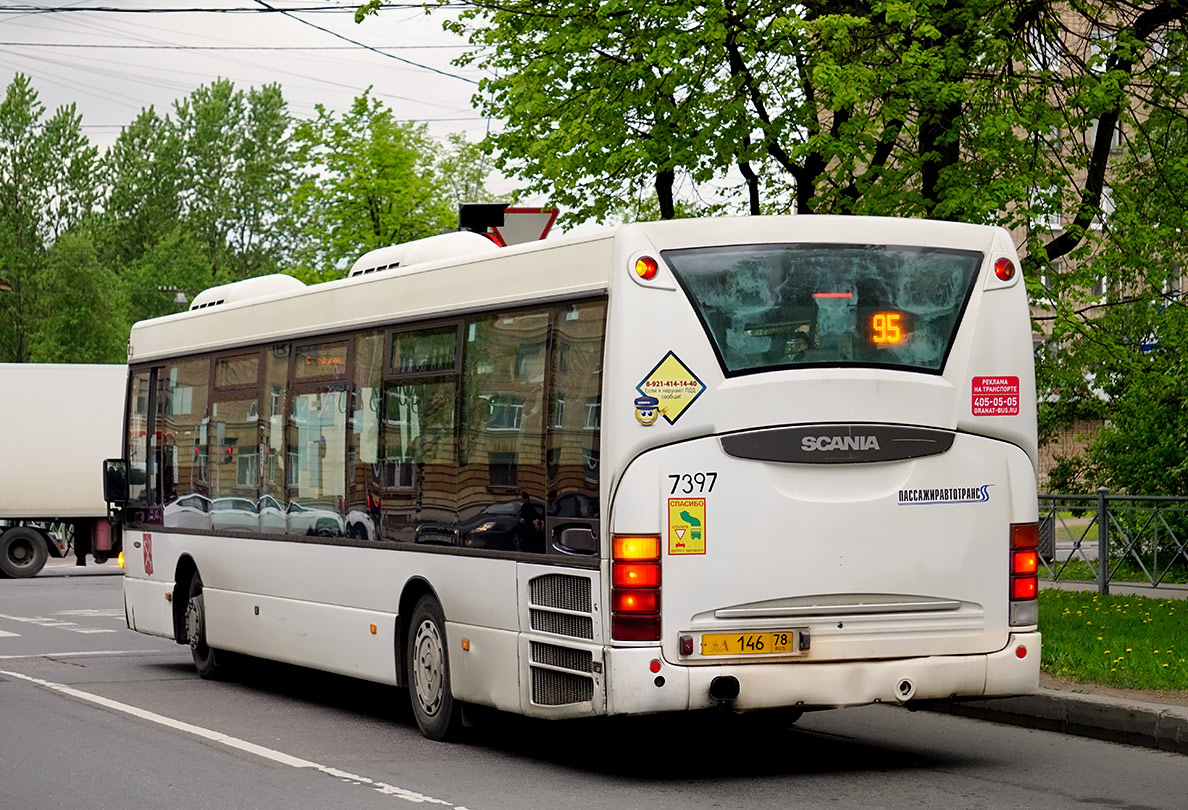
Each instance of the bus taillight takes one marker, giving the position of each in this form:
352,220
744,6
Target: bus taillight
1024,574
635,588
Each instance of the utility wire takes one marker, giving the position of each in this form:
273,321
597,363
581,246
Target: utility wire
223,47
26,9
368,47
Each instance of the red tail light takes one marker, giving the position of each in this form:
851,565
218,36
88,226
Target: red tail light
635,588
1023,588
1024,561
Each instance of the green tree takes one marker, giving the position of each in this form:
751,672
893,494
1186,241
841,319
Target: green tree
143,174
236,161
367,181
83,317
47,187
464,168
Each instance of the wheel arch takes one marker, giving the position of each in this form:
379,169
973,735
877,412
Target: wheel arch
186,570
414,590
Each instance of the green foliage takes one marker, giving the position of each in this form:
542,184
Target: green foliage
236,159
47,187
224,188
1143,448
83,318
369,181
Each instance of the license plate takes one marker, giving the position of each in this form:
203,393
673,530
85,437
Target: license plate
780,642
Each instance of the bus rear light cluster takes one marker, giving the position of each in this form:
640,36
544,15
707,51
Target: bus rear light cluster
1024,574
635,588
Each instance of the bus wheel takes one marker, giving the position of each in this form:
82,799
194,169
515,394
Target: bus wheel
429,672
22,552
206,659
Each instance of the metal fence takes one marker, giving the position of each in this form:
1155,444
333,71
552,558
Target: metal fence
1144,534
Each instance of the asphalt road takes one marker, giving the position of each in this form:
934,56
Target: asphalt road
94,716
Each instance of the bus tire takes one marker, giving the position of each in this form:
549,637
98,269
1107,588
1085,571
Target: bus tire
22,552
207,660
429,672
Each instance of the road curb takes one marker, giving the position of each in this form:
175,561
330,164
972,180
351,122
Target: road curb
1104,718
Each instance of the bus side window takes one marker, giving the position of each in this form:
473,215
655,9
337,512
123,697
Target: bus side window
502,432
574,429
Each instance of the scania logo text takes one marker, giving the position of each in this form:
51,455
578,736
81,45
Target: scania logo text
812,444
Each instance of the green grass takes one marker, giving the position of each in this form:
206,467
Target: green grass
1127,641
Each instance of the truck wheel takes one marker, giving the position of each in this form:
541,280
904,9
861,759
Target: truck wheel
206,660
429,672
22,552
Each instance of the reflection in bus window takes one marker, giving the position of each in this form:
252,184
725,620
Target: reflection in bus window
768,306
419,468
270,506
138,438
184,427
502,432
317,453
364,482
574,433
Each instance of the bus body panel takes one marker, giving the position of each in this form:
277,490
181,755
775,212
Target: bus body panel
304,612
878,560
572,267
648,321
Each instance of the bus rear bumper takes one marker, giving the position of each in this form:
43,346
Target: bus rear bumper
634,689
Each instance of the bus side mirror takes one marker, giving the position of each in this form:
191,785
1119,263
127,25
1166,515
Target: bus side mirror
115,482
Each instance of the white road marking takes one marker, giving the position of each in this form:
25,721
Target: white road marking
85,654
6,634
233,742
45,621
111,613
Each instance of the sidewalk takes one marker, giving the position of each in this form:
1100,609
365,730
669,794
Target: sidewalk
1105,717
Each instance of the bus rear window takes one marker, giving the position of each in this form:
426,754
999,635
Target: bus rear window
780,306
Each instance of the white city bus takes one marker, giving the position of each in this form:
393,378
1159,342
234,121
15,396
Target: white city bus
757,463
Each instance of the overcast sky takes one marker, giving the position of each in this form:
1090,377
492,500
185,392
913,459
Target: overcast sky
116,75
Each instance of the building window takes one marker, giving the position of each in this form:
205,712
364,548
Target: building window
1045,209
1115,139
1043,52
502,469
593,413
507,412
559,411
1101,45
1106,209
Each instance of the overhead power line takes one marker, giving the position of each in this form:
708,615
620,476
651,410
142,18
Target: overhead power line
337,35
222,47
30,9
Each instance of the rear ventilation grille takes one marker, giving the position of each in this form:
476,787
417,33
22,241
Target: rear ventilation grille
563,624
561,591
553,688
561,604
562,657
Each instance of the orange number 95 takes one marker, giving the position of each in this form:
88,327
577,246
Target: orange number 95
885,327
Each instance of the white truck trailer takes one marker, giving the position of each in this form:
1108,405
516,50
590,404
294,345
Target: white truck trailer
57,425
